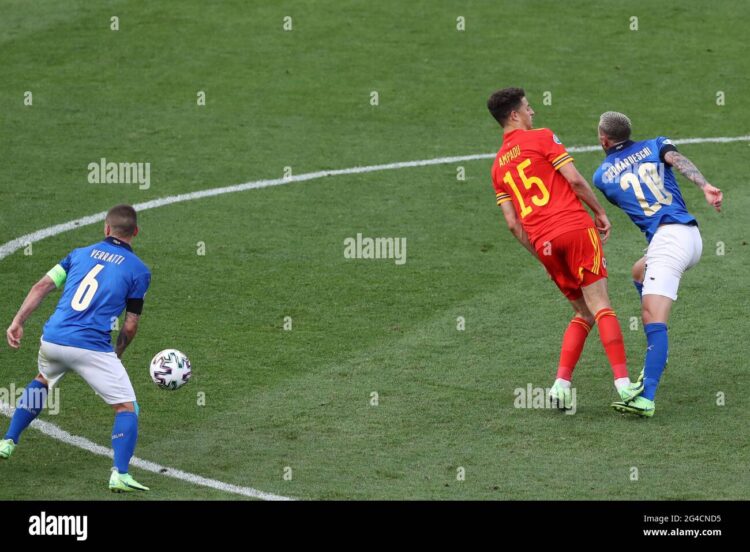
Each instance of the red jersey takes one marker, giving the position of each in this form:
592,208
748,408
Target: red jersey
525,172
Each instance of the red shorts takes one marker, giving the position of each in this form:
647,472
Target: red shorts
574,260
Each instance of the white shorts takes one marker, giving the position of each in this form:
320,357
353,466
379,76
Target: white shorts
102,371
673,249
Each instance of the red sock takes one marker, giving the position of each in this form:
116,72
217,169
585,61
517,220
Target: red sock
572,346
611,336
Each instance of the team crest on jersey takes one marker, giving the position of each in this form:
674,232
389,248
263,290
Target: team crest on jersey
556,139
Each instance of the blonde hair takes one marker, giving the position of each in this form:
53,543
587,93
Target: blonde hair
615,126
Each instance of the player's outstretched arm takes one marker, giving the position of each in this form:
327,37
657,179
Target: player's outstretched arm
127,334
583,190
688,169
515,226
38,292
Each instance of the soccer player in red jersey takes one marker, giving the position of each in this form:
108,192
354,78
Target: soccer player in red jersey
540,192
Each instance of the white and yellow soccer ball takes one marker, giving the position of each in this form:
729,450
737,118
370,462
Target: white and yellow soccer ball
170,369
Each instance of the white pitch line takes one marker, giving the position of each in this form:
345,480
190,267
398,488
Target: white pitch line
51,430
14,245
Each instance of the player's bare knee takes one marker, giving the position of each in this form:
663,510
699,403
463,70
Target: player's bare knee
650,314
585,315
582,312
123,407
596,296
599,303
655,309
41,379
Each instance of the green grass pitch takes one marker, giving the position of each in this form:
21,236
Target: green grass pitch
301,98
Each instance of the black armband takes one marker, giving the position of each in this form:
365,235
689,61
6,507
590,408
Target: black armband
135,306
665,149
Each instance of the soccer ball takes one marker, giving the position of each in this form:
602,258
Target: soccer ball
170,369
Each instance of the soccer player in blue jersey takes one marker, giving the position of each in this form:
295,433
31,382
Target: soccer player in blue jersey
100,281
638,177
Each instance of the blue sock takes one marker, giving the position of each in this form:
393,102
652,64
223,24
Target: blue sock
639,288
656,357
124,436
31,403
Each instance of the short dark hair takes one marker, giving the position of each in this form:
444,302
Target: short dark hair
502,102
122,220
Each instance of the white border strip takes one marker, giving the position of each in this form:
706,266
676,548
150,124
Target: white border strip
14,245
51,430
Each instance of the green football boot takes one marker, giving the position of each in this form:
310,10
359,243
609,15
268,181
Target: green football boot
640,406
631,391
124,483
7,446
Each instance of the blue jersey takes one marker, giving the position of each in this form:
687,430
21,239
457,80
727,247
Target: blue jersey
99,282
635,177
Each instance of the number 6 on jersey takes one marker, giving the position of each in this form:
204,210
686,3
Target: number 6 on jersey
86,290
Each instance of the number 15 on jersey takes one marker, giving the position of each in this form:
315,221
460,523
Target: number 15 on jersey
539,199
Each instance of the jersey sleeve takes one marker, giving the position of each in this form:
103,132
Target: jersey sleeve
501,193
665,145
552,149
140,285
59,272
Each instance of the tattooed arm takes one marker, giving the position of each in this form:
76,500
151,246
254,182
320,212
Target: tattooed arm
127,334
688,169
